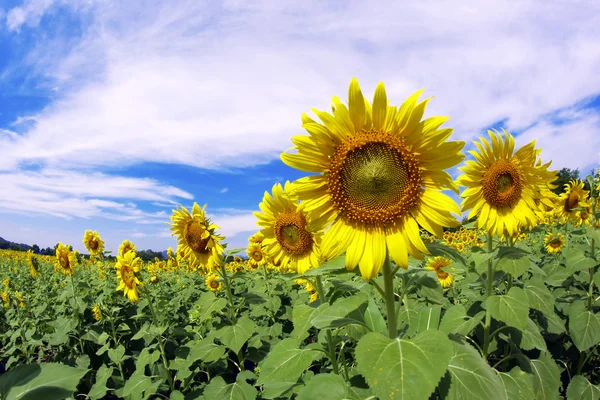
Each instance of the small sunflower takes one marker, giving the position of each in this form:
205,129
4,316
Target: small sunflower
5,299
97,312
127,266
198,242
440,265
309,287
583,217
93,242
154,279
554,243
256,238
381,175
34,265
19,298
65,259
572,198
126,246
256,254
287,232
213,282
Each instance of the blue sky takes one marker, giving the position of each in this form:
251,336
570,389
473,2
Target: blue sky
112,113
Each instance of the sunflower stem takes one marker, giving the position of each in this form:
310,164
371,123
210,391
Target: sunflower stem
78,314
330,345
388,287
488,293
229,294
163,353
591,282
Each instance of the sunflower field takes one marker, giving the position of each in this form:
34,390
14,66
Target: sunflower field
360,282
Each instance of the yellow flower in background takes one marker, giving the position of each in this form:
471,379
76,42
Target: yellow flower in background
170,253
93,243
65,259
572,198
213,282
440,265
583,217
256,254
34,265
153,279
256,238
287,236
6,283
198,242
309,287
97,312
381,170
5,299
554,243
126,246
19,299
127,266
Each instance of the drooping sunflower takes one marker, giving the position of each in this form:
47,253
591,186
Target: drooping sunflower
126,246
502,185
197,241
213,282
309,287
573,197
65,259
93,242
34,265
288,238
5,298
127,267
440,265
381,173
554,243
97,312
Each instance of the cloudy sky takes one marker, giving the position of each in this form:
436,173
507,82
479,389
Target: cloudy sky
114,112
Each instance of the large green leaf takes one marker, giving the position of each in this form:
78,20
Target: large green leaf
518,384
529,338
302,315
584,326
546,375
206,350
539,296
137,383
239,390
511,308
327,386
513,261
282,367
343,312
209,305
576,260
400,369
471,376
429,318
438,249
235,336
581,389
99,388
456,320
40,381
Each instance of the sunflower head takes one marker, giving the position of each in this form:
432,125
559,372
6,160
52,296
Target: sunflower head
255,253
572,198
127,267
382,170
554,243
126,246
65,259
256,238
97,312
93,242
440,265
213,282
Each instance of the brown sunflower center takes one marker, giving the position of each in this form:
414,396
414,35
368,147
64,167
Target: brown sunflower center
214,284
374,178
556,243
64,261
93,244
127,275
502,184
193,237
257,255
572,201
291,233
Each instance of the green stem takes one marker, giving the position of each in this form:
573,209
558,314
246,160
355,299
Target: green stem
163,353
591,282
78,313
227,283
488,293
115,339
330,345
388,288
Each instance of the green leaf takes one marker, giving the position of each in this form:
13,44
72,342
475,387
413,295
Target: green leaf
282,367
514,266
99,388
146,358
529,338
576,260
206,351
546,375
302,314
456,320
219,389
399,368
327,386
584,326
374,319
518,384
176,395
336,265
438,249
209,305
47,381
429,318
116,355
556,274
471,376
581,389
342,312
137,383
539,296
511,308
235,336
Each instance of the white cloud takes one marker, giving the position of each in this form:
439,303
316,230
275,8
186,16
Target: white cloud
224,190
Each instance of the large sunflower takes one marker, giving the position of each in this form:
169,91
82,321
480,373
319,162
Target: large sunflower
381,172
93,242
572,197
287,236
65,259
503,185
198,242
127,266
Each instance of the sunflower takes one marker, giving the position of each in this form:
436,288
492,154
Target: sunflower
256,238
5,299
154,279
256,254
554,243
382,170
439,265
65,259
127,266
126,246
309,287
97,312
34,265
213,283
572,197
582,217
197,241
19,298
502,185
93,242
287,235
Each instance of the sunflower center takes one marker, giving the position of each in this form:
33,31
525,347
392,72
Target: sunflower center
93,244
214,284
555,244
193,237
257,255
64,262
502,184
572,201
374,178
127,275
290,231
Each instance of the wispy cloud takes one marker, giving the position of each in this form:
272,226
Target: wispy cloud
224,190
